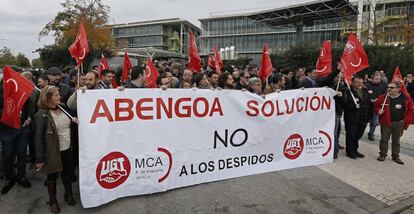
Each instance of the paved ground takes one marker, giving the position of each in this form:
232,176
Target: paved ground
344,186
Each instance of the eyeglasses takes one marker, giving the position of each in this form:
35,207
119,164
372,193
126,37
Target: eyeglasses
391,87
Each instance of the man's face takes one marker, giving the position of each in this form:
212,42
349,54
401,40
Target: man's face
358,83
214,79
393,89
170,76
42,83
90,80
300,72
377,79
236,74
165,82
244,79
82,80
313,75
410,77
257,87
54,79
107,79
188,75
230,81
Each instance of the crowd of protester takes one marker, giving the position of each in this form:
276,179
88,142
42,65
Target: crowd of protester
50,137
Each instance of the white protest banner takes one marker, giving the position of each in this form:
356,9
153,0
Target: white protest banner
141,141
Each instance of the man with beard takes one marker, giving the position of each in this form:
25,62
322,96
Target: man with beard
357,114
91,81
225,81
106,79
243,82
55,74
213,79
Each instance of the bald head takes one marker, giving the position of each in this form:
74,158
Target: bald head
188,75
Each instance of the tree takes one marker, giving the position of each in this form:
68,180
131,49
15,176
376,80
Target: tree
65,25
6,57
22,60
37,63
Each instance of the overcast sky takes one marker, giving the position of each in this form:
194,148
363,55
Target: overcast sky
22,20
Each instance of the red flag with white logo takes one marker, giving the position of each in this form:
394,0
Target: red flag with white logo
266,67
218,62
151,74
103,66
354,59
126,68
324,63
80,48
17,90
397,78
194,63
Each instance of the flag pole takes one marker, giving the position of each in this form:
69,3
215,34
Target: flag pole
61,108
383,104
339,80
78,76
352,94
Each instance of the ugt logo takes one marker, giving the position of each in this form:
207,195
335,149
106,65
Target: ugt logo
294,146
113,170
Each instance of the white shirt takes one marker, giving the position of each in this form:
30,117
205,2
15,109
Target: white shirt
63,129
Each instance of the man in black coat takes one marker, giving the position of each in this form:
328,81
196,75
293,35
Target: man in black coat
375,88
356,116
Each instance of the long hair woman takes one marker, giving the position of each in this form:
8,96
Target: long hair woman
52,144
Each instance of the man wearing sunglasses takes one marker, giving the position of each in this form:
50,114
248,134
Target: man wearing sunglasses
395,112
243,83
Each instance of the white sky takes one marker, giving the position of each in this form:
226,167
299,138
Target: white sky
22,20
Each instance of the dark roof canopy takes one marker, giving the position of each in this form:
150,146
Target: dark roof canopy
306,12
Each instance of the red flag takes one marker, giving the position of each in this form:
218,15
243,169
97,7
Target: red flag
218,62
354,59
80,48
194,62
266,67
211,62
324,63
151,74
126,68
397,78
103,66
17,90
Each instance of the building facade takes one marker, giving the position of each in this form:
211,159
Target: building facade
248,36
165,36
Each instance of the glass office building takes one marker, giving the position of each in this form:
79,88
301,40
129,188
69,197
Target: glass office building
248,36
169,35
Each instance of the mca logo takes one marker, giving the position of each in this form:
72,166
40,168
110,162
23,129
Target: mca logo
113,170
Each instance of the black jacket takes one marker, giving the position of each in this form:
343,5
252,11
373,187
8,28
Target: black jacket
128,84
375,90
239,86
354,115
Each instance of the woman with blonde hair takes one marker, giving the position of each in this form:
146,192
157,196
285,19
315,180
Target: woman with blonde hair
53,145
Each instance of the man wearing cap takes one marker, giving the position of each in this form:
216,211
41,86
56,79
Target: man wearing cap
395,112
54,75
